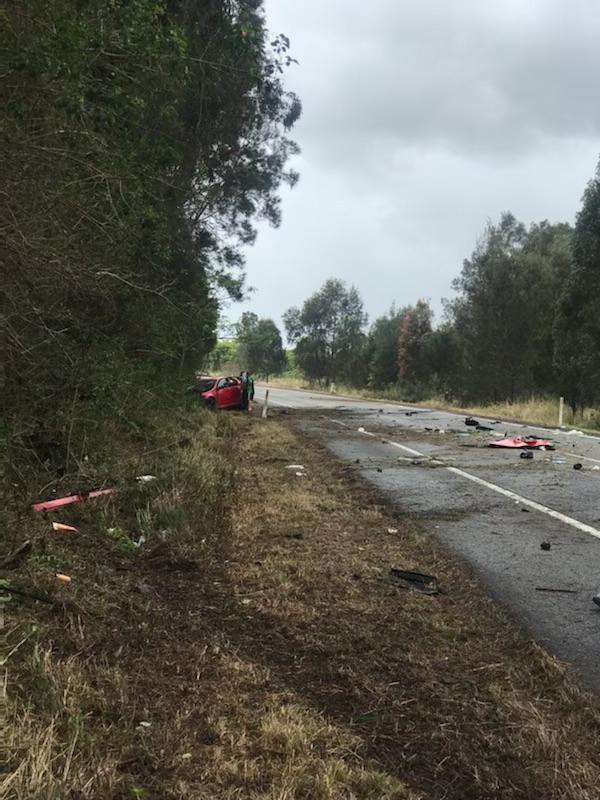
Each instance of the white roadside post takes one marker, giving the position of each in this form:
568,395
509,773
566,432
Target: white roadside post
561,412
265,408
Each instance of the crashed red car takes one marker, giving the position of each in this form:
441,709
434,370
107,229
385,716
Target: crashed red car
220,392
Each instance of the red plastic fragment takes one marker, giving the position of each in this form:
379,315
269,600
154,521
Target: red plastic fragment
530,443
49,505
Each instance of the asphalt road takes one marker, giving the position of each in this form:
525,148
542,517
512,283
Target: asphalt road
488,506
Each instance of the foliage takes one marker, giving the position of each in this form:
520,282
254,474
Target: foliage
141,140
383,348
261,346
328,334
415,332
577,326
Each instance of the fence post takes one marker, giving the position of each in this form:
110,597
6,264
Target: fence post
561,412
265,408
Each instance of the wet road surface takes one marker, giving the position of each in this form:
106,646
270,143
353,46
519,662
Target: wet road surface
488,506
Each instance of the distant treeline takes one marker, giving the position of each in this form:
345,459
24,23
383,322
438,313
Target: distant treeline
525,320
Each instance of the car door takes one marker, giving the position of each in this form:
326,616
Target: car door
226,394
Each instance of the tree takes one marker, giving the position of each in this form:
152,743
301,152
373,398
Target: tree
261,346
328,334
383,348
577,326
415,332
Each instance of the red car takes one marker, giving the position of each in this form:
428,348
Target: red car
220,392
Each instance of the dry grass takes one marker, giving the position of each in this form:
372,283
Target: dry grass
283,666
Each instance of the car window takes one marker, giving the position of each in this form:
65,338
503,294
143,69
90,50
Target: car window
222,383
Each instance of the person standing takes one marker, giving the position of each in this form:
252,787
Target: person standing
247,389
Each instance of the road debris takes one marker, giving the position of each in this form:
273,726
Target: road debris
62,577
545,546
50,505
415,581
294,466
558,591
578,466
392,530
473,423
60,526
526,454
482,428
596,599
17,556
529,442
145,478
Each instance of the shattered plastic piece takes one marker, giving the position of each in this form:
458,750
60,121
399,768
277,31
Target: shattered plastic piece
145,478
545,546
482,428
473,423
552,589
578,466
49,505
596,599
63,578
526,454
141,540
295,466
301,474
361,430
392,530
530,442
60,526
416,581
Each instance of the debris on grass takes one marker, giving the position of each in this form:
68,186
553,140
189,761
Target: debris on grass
146,478
50,505
578,466
62,527
416,581
60,576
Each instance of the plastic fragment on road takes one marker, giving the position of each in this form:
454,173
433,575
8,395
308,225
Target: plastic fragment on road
558,591
295,466
596,599
145,478
361,430
60,526
415,581
63,578
526,454
470,422
50,505
531,443
578,466
545,546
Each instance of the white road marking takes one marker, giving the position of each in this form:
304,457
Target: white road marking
550,512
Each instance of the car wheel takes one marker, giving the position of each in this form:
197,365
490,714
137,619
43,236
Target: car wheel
211,404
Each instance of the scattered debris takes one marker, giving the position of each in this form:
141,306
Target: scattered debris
357,461
392,530
545,546
596,599
295,466
530,442
412,413
145,478
22,593
558,591
525,510
526,454
300,474
17,556
473,423
60,526
379,469
578,466
361,430
482,428
558,460
416,581
49,505
63,578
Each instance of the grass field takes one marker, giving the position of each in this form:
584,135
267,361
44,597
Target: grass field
257,650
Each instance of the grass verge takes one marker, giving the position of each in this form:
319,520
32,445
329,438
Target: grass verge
263,655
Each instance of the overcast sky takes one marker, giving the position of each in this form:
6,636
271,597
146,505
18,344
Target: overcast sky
421,121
